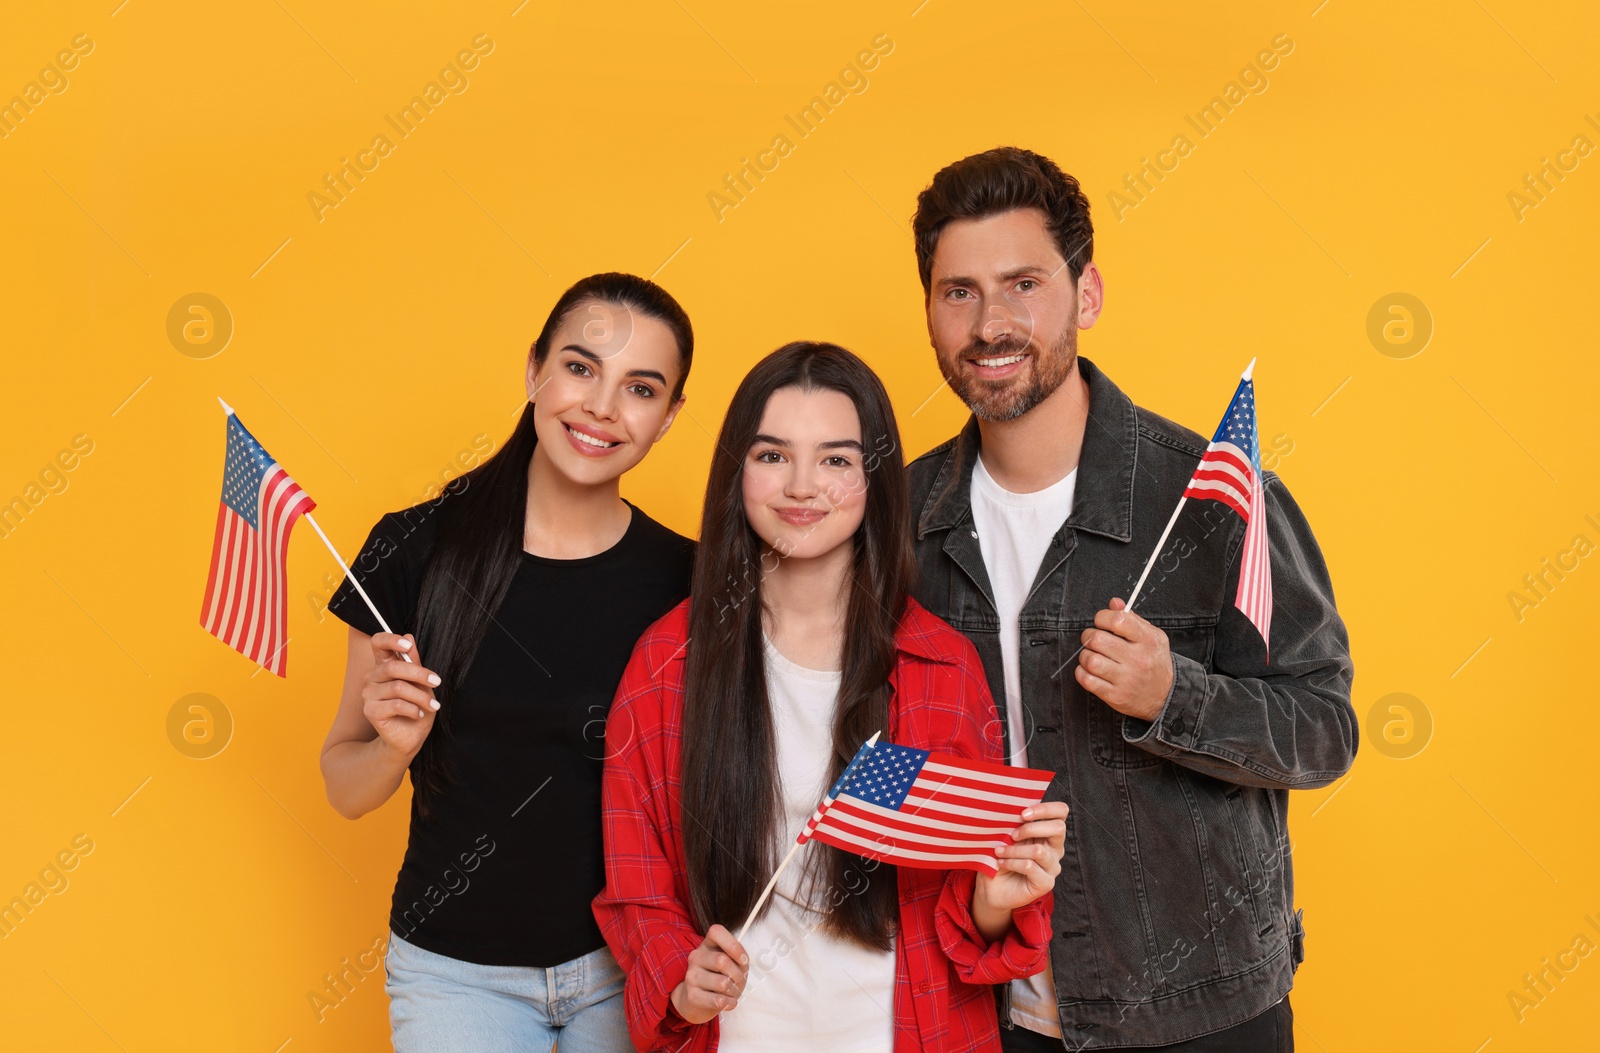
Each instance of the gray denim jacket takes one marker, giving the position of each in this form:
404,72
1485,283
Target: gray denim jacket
1174,911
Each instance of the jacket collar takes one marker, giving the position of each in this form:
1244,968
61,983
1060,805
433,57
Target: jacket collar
1103,496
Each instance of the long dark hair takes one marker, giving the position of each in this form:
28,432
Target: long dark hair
730,792
479,542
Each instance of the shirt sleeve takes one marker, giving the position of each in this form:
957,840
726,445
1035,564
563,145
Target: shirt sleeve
646,924
1022,950
386,568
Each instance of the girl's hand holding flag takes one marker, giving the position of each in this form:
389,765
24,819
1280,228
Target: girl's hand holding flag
397,697
1028,868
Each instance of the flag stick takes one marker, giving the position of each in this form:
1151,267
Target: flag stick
338,559
1152,560
844,781
1163,540
768,890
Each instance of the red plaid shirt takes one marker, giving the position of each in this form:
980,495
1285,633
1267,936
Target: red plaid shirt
943,966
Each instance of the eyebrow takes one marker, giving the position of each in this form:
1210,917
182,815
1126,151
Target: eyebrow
649,374
831,444
1011,275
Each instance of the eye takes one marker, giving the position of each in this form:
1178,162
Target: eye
577,368
769,457
1026,284
958,294
837,461
644,391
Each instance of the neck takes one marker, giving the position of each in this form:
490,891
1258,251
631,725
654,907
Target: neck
569,520
804,603
1040,447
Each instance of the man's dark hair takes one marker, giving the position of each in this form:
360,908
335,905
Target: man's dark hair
1000,180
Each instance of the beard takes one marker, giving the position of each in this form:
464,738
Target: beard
1004,400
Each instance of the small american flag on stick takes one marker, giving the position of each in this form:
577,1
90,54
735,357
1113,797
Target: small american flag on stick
914,808
1230,472
245,602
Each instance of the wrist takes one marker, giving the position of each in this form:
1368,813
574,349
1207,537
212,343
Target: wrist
396,760
991,921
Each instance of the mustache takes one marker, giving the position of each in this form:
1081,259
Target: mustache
1011,345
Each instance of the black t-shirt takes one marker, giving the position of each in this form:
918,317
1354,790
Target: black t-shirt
503,869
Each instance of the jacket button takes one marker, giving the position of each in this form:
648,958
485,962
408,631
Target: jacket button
925,986
974,533
1176,725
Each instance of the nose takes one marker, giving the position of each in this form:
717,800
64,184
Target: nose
602,402
802,482
997,323
1004,318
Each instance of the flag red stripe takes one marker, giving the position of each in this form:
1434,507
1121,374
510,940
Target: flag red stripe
219,570
947,764
907,857
210,600
888,817
1218,495
937,777
890,840
1228,454
1227,480
243,564
296,505
273,487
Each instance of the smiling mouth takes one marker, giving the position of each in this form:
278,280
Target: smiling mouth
997,361
588,439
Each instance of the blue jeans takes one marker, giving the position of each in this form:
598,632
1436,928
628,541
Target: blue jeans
439,1004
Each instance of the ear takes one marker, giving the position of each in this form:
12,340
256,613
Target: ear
672,415
532,378
1091,295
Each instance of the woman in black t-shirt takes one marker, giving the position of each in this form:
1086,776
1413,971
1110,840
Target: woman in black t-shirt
526,584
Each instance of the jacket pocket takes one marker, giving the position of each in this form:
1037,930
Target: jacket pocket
1251,813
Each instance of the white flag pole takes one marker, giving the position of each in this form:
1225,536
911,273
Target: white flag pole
768,890
1163,540
337,559
798,844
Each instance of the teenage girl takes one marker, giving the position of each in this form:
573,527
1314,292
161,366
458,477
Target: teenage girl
739,709
524,587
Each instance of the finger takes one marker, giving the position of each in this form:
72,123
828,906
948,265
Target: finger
1101,666
1095,685
404,689
712,981
720,938
1041,830
1115,621
399,707
1111,645
1036,875
399,669
1034,850
708,1002
1046,810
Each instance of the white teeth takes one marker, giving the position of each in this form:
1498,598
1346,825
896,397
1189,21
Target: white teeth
590,439
993,362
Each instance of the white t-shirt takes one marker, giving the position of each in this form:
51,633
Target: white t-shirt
808,991
1014,530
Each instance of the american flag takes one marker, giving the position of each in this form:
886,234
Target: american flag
1230,472
920,809
245,594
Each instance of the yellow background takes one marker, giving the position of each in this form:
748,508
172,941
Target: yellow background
371,346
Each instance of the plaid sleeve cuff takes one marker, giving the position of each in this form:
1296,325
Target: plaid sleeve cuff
1021,952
